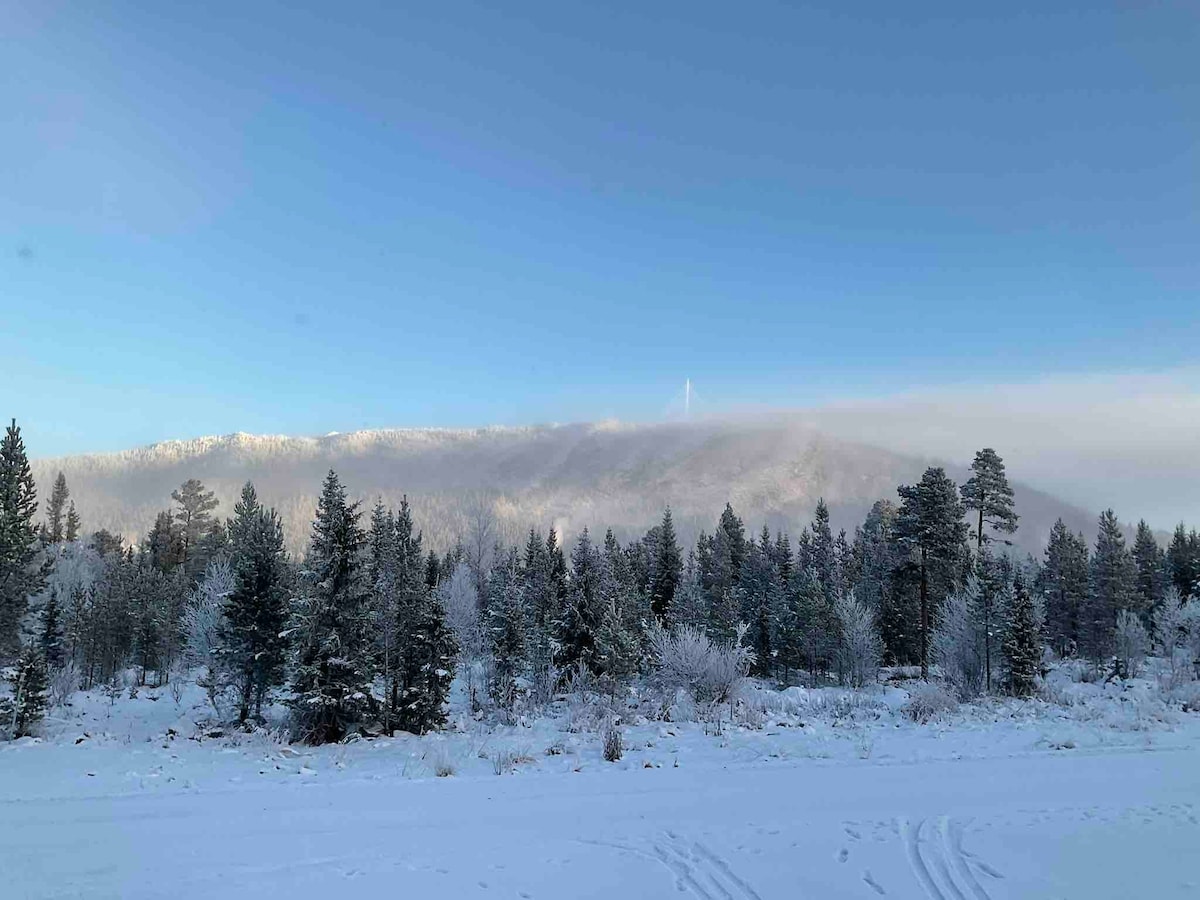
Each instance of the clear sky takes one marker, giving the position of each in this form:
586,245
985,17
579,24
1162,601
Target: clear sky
272,218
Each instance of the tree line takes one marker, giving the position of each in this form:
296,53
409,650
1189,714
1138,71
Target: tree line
368,628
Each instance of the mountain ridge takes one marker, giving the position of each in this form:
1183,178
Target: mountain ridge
598,474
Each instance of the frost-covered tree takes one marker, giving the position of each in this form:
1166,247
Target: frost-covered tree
958,641
1132,642
331,671
860,648
252,650
930,525
20,576
461,605
1177,634
203,623
1022,646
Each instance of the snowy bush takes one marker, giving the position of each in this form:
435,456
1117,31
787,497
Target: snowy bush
860,648
684,657
928,701
1132,643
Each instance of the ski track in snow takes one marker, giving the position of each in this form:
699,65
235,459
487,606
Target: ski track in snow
700,871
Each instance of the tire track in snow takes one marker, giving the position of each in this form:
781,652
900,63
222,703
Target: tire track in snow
952,845
727,870
916,862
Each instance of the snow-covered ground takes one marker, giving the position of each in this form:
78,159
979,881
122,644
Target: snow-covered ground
830,796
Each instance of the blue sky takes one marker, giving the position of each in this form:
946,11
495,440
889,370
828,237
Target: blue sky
259,217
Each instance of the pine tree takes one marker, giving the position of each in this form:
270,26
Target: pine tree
194,516
1063,584
667,567
56,509
722,557
988,494
332,674
1022,645
1112,588
52,649
27,681
20,577
930,524
251,648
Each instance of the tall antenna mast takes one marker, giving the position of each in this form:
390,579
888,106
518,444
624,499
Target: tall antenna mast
687,399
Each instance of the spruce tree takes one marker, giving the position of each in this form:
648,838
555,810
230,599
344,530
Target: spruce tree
930,524
1152,578
251,648
429,666
51,640
1112,588
332,672
687,608
1063,584
56,510
667,567
72,528
1022,645
27,681
584,611
1183,560
506,628
20,577
762,595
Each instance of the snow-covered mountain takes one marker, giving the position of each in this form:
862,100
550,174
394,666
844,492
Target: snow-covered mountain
773,470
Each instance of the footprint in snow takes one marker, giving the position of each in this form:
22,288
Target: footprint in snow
843,855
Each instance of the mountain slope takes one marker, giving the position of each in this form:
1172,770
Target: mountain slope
571,476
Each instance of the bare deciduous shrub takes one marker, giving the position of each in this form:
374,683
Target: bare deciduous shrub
614,743
927,701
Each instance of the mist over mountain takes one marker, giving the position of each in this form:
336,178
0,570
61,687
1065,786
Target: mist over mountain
599,475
